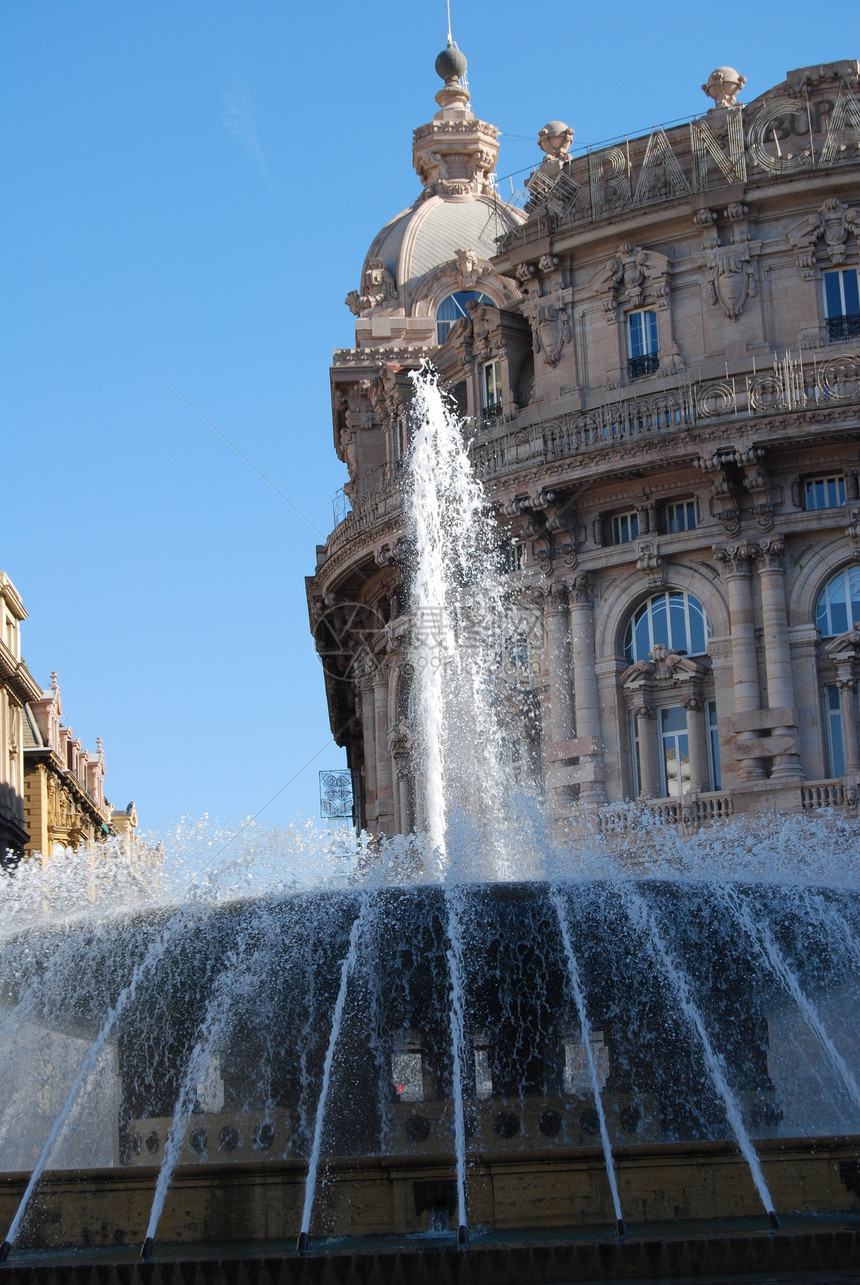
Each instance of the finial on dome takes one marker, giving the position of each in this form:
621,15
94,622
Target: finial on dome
451,64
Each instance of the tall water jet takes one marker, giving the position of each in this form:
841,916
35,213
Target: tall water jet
574,978
460,624
346,972
643,917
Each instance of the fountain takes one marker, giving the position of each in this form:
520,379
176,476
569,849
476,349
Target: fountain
634,1056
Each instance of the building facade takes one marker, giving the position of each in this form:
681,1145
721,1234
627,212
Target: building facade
51,788
659,359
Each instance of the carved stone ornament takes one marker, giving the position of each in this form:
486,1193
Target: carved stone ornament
826,232
724,85
580,589
469,267
651,562
633,279
769,555
552,330
378,289
852,530
736,558
732,276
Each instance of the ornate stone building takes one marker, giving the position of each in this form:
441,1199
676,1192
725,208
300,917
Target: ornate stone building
659,358
51,788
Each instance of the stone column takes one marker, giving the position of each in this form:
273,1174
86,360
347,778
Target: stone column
558,723
384,773
698,743
649,766
848,697
400,747
368,720
585,697
777,652
557,625
736,563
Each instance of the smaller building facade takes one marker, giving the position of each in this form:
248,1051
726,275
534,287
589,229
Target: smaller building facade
51,788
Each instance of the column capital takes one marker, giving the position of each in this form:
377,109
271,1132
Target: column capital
553,596
695,704
736,558
769,553
580,589
641,709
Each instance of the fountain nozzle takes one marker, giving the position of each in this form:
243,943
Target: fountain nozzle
620,1228
302,1244
146,1250
773,1219
4,1250
463,1236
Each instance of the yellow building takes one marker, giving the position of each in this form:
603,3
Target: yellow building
51,788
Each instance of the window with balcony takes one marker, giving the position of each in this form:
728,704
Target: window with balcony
453,307
681,515
838,607
824,492
643,344
842,304
624,527
714,770
675,752
491,389
676,619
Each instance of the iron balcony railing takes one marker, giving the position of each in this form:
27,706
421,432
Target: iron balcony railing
839,328
644,366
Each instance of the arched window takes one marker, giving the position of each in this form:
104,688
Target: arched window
453,307
838,607
675,619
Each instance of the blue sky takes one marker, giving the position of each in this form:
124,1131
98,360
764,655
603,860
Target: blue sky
189,191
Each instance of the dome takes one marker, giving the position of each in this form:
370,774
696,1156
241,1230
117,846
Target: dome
431,233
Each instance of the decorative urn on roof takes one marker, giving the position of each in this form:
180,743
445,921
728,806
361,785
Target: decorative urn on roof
723,85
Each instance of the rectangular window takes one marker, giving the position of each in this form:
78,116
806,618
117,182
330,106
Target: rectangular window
483,1071
577,1075
824,492
675,756
835,735
842,304
491,388
683,515
642,344
714,772
408,1076
624,527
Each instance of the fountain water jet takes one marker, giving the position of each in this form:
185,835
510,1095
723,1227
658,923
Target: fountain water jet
486,976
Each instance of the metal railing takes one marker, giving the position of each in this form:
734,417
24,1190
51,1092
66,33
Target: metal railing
642,367
847,327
